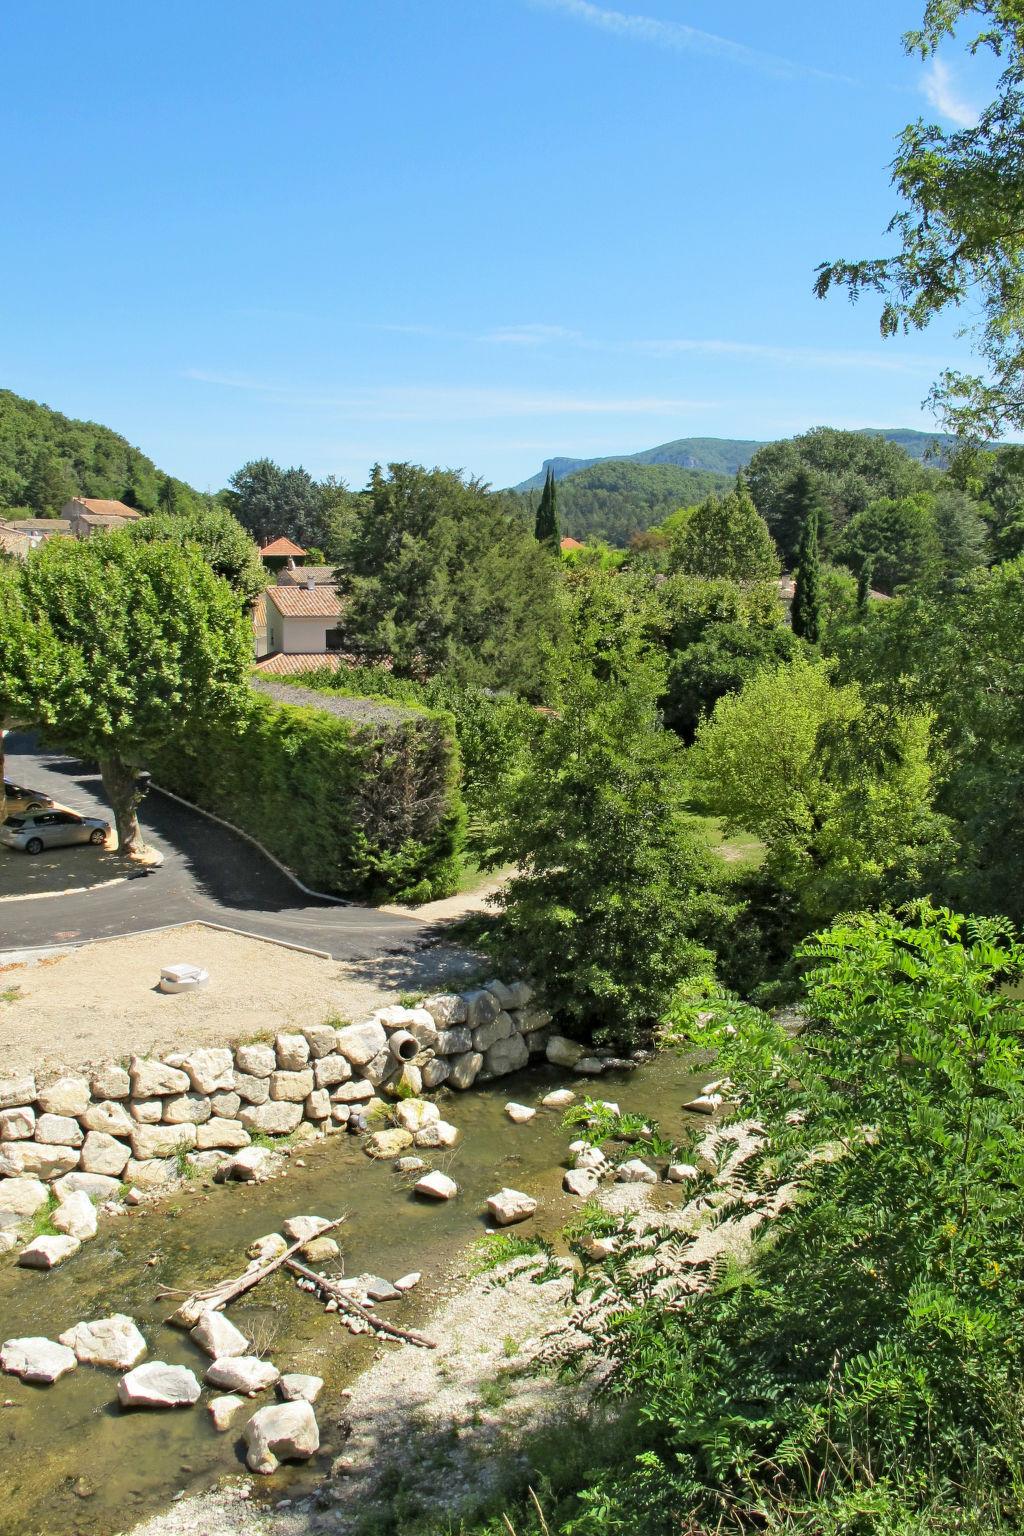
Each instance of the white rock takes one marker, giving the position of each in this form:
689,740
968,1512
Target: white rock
110,1082
76,1215
225,1106
437,1186
35,1159
407,1165
273,1119
66,1096
17,1124
218,1134
329,1071
109,1117
500,1027
519,1114
296,1388
48,1252
455,1041
291,1087
292,1052
704,1104
152,1079
465,1068
301,1228
407,1282
318,1105
104,1154
152,1173
446,1009
322,1040
580,1181
559,1098
98,1186
211,1070
509,1206
146,1111
255,1060
589,1066
435,1072
37,1359
269,1247
508,1055
635,1172
481,1007
414,1114
387,1144
681,1173
187,1109
590,1159
253,1165
16,1091
223,1409
352,1093
242,1373
23,1196
158,1385
218,1336
360,1043
154,1141
252,1090
59,1130
438,1134
599,1247
562,1052
112,1341
281,1432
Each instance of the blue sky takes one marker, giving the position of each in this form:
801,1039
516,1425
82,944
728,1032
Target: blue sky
466,232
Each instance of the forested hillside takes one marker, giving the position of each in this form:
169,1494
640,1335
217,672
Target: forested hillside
616,498
45,457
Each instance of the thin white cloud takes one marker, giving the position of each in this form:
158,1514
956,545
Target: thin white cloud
677,37
443,404
529,335
807,357
941,90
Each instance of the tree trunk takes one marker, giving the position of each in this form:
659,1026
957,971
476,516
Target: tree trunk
124,794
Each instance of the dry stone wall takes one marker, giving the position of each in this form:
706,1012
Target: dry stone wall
130,1126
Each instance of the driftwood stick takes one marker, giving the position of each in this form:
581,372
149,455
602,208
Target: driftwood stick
337,1293
218,1296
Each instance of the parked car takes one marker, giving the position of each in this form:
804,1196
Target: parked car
36,830
19,799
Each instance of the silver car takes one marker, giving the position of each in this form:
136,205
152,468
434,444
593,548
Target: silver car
36,830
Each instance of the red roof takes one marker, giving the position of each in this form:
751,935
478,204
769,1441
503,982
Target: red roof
281,547
305,603
570,544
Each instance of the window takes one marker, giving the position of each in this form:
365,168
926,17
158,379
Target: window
334,640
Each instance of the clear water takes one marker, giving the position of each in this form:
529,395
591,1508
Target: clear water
72,1462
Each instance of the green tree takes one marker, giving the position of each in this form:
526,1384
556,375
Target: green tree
150,643
959,226
546,529
30,661
840,789
864,576
271,502
901,539
168,497
725,536
807,585
441,578
220,539
48,487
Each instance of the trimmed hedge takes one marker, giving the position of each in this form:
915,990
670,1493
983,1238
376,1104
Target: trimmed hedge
360,801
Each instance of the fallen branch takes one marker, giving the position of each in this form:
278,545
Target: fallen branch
337,1293
218,1296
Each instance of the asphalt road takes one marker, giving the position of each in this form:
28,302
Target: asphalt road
208,873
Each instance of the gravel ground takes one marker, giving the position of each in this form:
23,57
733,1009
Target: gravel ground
100,1002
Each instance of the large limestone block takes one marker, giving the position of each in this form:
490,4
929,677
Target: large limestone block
253,1165
292,1051
520,994
499,1028
635,1172
414,1114
111,1341
499,990
158,1385
422,1028
17,1124
15,1091
256,1060
357,1092
226,1105
76,1215
562,1052
153,1079
436,1186
291,1087
318,1105
509,1206
242,1373
48,1252
434,1073
187,1109
151,1173
389,1143
218,1336
454,1041
465,1069
110,1082
281,1432
446,1009
223,1410
150,1141
36,1159
66,1096
379,1067
210,1070
219,1132
436,1134
23,1197
322,1040
580,1181
296,1387
98,1186
104,1154
146,1111
507,1055
481,1007
59,1131
331,1070
360,1043
39,1360
254,1090
108,1116
277,1118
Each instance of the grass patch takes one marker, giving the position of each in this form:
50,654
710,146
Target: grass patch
742,851
42,1221
10,994
502,1247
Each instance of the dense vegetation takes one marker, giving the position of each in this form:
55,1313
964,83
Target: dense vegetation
616,499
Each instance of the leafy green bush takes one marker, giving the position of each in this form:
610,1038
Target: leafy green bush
366,806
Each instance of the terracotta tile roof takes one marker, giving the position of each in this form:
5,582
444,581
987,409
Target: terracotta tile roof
570,544
300,603
323,576
281,547
44,525
100,508
281,664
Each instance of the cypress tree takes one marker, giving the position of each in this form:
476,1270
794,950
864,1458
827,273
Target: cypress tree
864,583
807,591
546,527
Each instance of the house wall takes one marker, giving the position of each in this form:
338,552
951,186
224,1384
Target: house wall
296,636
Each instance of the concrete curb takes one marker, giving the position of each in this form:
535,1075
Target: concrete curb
340,901
26,954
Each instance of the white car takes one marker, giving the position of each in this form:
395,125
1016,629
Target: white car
35,830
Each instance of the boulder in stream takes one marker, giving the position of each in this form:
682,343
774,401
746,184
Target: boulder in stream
112,1341
242,1373
76,1215
558,1098
253,1165
281,1432
509,1206
301,1228
439,1133
48,1252
437,1186
37,1359
296,1388
389,1143
580,1181
23,1197
519,1114
223,1409
158,1385
218,1336
636,1171
414,1114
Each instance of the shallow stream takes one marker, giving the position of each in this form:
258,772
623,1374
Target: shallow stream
71,1461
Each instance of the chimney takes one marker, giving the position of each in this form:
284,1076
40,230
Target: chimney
310,582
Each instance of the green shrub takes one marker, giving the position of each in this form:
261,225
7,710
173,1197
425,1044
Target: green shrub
366,806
